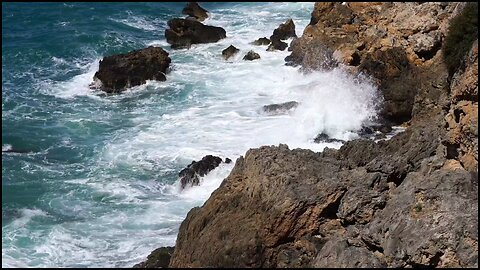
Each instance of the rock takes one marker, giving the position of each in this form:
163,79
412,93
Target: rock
227,160
118,72
426,45
159,258
183,33
251,55
284,31
322,137
277,45
261,41
196,11
229,52
280,108
191,175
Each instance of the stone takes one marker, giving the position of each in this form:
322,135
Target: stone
193,9
251,55
280,108
183,33
262,41
229,52
190,176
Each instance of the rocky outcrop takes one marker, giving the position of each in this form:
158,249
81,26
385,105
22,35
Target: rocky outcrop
183,33
193,9
395,43
118,72
229,52
190,176
324,138
261,41
280,108
284,31
159,258
251,55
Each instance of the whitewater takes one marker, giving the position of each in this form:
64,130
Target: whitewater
108,192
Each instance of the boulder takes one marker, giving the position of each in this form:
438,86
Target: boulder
118,72
277,45
159,258
229,52
284,31
261,41
183,33
322,137
251,55
191,175
280,107
196,11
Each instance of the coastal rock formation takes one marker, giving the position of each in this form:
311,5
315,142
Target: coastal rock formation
159,258
251,55
322,137
193,9
261,41
284,31
280,108
118,72
229,52
191,175
183,33
394,43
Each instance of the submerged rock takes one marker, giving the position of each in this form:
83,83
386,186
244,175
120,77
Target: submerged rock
193,9
284,31
277,45
159,258
191,175
251,55
322,137
281,107
183,33
118,72
261,41
229,52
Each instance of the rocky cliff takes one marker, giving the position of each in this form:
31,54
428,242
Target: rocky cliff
411,201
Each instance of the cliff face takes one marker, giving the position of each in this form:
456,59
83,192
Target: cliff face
411,201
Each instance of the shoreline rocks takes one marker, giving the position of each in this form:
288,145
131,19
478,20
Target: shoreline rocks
183,33
251,55
261,41
118,72
282,32
193,9
280,107
229,52
190,176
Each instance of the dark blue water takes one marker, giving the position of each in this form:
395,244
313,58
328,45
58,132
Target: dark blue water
92,179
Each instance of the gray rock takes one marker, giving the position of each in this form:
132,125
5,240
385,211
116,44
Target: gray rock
280,108
251,55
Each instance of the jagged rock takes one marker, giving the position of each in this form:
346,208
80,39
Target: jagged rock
261,41
322,137
118,72
229,52
227,160
193,9
159,258
426,45
277,45
183,33
281,107
251,55
191,175
284,31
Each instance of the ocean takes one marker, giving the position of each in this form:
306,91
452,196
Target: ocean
90,179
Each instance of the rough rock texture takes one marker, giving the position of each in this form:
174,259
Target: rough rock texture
284,31
411,201
322,137
395,43
183,33
251,55
118,72
190,175
193,9
280,108
229,52
159,258
262,41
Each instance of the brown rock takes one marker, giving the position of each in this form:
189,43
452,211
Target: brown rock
194,10
251,55
183,33
229,52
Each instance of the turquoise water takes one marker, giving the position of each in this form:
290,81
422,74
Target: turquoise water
95,179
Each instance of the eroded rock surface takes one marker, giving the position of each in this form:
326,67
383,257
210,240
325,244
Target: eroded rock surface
194,10
183,33
190,176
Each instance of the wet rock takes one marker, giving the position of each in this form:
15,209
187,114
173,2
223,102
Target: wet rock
229,52
277,45
193,9
191,175
118,72
284,31
227,160
261,41
183,33
159,258
280,108
251,55
322,137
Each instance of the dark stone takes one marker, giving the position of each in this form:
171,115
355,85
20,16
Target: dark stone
284,31
229,52
194,10
227,160
251,55
118,72
190,175
159,258
277,45
322,137
183,33
261,41
281,107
